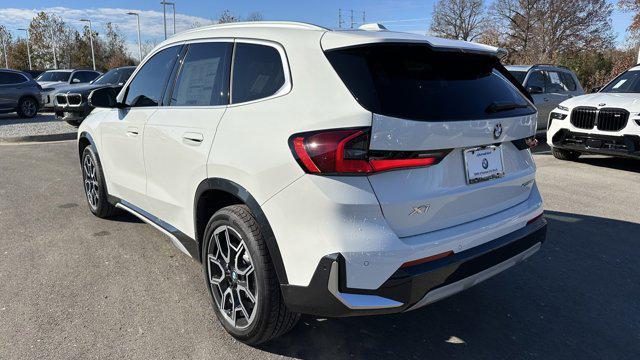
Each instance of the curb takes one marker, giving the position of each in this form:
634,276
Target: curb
39,138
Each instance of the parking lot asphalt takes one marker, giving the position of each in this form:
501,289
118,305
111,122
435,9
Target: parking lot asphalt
74,286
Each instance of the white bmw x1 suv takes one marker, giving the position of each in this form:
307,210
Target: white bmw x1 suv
606,122
332,173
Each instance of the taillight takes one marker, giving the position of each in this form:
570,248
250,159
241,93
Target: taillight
346,152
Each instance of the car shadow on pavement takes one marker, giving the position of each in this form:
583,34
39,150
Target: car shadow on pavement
576,298
14,119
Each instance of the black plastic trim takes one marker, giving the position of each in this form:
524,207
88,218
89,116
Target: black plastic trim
410,284
628,145
241,193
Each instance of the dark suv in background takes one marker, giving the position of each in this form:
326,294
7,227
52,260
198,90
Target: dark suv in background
72,105
19,93
549,85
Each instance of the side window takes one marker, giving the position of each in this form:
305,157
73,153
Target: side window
537,78
147,87
8,78
204,77
81,77
567,80
257,72
555,84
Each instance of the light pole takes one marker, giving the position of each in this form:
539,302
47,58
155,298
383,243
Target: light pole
28,50
164,12
93,56
53,47
4,47
139,43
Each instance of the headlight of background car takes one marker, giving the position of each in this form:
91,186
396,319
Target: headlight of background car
562,108
558,116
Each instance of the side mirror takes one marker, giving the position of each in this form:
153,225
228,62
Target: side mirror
595,89
104,98
535,90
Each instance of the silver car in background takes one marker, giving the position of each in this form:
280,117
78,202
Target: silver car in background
19,93
52,80
549,85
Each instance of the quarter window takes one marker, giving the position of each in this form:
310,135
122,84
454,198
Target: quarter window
204,77
257,72
147,87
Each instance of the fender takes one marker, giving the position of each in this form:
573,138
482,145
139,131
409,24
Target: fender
87,136
242,194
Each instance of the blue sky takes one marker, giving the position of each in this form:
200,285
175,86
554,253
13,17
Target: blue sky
400,15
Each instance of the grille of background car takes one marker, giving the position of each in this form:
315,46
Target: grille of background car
74,99
612,119
584,117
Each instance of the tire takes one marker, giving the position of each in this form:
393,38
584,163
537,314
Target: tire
74,123
252,322
27,107
568,155
94,185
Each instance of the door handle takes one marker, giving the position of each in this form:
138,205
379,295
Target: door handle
546,99
132,131
193,136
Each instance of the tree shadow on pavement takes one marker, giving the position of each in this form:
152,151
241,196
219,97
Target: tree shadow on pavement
576,298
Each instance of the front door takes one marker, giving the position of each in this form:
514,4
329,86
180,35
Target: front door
538,79
122,154
178,136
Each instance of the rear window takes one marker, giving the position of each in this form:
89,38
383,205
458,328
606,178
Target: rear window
417,83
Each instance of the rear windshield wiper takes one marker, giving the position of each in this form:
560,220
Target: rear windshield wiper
500,106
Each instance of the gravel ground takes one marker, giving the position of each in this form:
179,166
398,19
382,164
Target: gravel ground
73,286
12,126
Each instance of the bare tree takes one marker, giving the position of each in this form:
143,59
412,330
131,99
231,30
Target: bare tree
458,19
254,16
546,30
634,7
227,17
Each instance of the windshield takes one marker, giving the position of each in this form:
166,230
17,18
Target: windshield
115,76
519,75
628,82
54,76
418,83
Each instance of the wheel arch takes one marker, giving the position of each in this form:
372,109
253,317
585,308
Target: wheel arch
84,140
213,194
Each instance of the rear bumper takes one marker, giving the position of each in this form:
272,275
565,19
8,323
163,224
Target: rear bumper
412,287
621,145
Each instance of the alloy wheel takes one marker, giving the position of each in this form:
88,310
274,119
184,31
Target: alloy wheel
232,277
29,108
91,186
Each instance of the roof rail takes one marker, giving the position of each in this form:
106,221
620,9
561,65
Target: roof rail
256,24
560,66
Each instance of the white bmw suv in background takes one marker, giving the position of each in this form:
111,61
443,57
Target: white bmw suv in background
606,122
333,173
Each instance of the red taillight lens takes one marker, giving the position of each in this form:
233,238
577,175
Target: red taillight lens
346,151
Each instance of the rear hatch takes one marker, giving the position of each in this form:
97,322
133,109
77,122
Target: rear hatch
458,107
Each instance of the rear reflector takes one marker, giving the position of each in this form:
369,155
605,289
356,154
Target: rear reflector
346,152
427,259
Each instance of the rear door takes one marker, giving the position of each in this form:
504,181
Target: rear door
178,137
12,86
456,108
